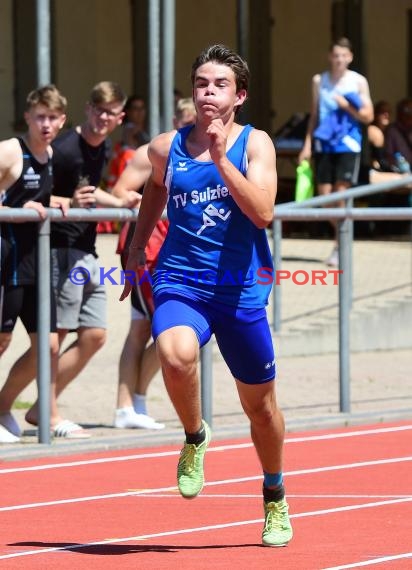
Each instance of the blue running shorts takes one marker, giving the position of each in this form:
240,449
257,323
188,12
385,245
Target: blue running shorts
243,335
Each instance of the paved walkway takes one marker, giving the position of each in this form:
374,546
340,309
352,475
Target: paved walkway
308,387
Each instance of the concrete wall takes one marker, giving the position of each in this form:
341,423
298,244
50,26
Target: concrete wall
93,41
387,48
199,25
299,44
6,69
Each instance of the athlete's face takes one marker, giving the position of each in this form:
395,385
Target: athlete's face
340,58
44,124
104,118
214,91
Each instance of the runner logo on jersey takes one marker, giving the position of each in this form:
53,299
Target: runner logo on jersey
211,212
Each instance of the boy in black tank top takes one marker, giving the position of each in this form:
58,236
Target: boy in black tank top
26,181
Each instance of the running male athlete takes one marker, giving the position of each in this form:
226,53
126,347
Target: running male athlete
218,179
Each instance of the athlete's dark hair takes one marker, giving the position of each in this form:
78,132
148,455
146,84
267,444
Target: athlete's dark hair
341,42
219,53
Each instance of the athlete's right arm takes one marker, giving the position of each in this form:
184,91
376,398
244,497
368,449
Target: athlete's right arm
151,207
11,162
11,165
306,152
135,174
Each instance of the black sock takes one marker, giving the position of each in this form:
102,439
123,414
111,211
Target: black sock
273,495
196,438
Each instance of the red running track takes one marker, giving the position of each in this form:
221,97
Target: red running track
349,491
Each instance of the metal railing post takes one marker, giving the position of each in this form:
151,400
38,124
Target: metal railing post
344,314
351,227
206,381
43,331
277,261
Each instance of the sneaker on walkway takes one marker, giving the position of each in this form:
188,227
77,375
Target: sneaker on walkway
277,530
8,421
6,436
126,418
190,474
333,259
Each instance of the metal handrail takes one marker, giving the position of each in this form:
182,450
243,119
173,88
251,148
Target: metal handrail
351,193
289,211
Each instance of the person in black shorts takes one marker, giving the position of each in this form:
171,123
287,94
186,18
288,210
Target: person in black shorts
341,103
26,181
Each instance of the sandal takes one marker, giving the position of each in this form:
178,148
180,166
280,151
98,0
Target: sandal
69,430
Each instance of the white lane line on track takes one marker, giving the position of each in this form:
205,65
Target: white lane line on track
207,484
206,496
371,562
138,456
199,529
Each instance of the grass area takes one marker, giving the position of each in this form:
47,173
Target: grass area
20,405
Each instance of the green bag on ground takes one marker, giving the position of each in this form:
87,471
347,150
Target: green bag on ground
304,182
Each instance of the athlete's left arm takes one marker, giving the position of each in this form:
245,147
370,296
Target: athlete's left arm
254,193
365,112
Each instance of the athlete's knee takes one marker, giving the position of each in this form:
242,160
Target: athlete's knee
263,414
261,409
179,361
5,339
91,340
178,349
180,364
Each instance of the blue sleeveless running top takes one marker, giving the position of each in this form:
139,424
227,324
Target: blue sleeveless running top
337,130
212,250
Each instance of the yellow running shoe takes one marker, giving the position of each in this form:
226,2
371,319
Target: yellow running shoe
190,475
277,530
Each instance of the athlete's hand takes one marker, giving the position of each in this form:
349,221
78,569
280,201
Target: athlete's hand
136,260
84,197
61,203
304,155
131,199
342,102
38,207
218,139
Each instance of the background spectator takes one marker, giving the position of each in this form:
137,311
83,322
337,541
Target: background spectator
79,156
398,136
138,362
340,105
26,175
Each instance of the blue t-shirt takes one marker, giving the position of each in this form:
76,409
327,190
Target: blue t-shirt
212,250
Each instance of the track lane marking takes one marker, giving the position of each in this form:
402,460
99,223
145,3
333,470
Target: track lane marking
207,484
139,456
370,562
200,529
